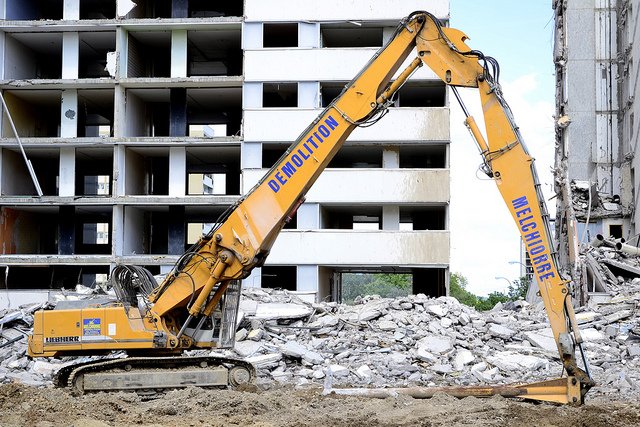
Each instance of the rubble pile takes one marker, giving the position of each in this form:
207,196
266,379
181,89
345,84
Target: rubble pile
417,340
613,266
383,342
589,202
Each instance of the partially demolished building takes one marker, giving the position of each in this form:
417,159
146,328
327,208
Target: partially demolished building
145,120
596,57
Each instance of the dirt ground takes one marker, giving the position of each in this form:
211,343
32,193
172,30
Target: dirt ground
47,407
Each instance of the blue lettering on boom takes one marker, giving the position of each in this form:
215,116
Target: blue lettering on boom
533,240
297,159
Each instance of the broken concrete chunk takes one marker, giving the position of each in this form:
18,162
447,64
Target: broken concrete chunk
364,372
293,349
437,310
462,358
542,340
247,348
387,325
501,331
338,371
435,344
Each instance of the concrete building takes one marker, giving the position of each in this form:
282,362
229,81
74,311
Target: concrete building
596,52
144,123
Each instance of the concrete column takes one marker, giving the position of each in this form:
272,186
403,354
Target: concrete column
308,216
69,114
252,95
252,35
122,49
117,231
307,278
308,94
177,171
391,158
179,53
67,172
251,155
66,230
119,171
71,10
308,34
390,217
177,230
178,112
70,55
119,112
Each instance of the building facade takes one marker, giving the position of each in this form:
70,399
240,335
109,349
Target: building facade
144,122
596,52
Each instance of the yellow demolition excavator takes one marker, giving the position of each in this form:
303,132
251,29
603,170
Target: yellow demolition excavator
195,307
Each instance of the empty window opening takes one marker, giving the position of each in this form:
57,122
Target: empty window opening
33,9
279,277
207,131
212,9
147,112
93,51
387,285
95,113
214,53
95,234
96,185
39,113
430,281
615,231
217,110
280,35
29,230
358,157
151,9
426,156
423,217
53,277
330,91
16,180
147,171
419,94
279,95
209,183
93,171
351,217
33,56
97,9
350,36
213,171
149,54
271,153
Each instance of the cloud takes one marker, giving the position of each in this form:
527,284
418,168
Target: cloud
484,237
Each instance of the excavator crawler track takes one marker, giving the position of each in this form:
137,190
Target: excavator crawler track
155,374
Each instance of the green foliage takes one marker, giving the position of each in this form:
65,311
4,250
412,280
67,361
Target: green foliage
386,285
457,289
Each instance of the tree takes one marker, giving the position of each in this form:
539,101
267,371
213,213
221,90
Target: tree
457,289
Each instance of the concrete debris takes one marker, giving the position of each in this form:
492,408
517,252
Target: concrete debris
382,342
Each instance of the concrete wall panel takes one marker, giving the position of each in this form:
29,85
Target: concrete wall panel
348,247
332,10
372,185
401,124
326,64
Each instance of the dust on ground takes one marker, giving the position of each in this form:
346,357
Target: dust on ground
47,407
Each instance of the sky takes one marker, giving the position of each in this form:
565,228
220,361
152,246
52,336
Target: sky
519,34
